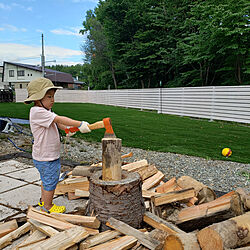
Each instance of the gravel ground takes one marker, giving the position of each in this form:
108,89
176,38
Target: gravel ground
222,176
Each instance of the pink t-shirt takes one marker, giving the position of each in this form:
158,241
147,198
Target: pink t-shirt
46,145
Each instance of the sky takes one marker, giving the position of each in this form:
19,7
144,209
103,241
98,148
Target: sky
22,23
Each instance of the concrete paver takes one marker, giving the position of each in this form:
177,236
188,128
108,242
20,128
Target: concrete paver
7,183
12,165
70,205
22,197
6,212
29,174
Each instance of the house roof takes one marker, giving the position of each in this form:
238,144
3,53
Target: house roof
53,75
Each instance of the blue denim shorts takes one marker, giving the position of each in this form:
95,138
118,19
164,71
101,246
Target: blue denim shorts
49,173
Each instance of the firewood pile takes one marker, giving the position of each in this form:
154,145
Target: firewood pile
180,214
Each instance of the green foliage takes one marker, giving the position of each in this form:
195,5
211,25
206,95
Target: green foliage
152,131
137,44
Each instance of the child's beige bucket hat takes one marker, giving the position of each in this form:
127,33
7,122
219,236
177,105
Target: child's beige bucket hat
37,89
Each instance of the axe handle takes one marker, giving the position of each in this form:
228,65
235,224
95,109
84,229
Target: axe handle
92,126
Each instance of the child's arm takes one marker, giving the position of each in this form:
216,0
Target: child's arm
63,121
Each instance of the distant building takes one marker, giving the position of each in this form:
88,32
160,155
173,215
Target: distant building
18,75
77,84
3,85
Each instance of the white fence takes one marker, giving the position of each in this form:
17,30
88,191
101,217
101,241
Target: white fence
229,103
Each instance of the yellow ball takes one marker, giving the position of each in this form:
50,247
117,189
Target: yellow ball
226,152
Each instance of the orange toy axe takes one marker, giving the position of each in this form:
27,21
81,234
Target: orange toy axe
105,123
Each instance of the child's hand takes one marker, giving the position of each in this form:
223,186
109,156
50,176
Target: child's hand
68,133
84,127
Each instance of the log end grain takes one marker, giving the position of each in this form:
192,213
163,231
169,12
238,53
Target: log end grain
209,239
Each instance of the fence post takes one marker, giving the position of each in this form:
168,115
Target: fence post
212,105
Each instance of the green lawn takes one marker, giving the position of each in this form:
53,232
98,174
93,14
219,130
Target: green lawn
152,131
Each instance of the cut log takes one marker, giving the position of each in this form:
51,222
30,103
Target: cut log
245,197
81,193
131,167
231,233
35,237
49,231
8,238
71,187
86,221
128,230
111,159
202,192
99,239
8,227
182,241
199,216
165,198
153,181
161,224
64,239
48,219
122,243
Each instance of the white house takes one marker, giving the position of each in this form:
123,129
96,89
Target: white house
19,75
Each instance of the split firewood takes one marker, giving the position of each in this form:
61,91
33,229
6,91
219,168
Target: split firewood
64,239
148,194
72,196
231,233
86,221
183,241
122,243
8,227
47,230
99,239
81,193
161,224
205,214
146,171
130,154
153,181
48,219
159,235
8,238
76,179
71,187
131,167
85,170
128,230
35,237
245,197
202,192
170,186
173,196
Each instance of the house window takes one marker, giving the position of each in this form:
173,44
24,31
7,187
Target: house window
20,73
11,73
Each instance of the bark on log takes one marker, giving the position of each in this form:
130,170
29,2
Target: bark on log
231,233
119,199
203,193
245,197
111,159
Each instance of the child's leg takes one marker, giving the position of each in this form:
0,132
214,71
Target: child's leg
47,197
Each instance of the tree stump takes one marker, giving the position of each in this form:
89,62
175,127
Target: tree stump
119,199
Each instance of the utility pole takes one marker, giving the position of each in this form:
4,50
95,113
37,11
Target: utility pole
43,59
